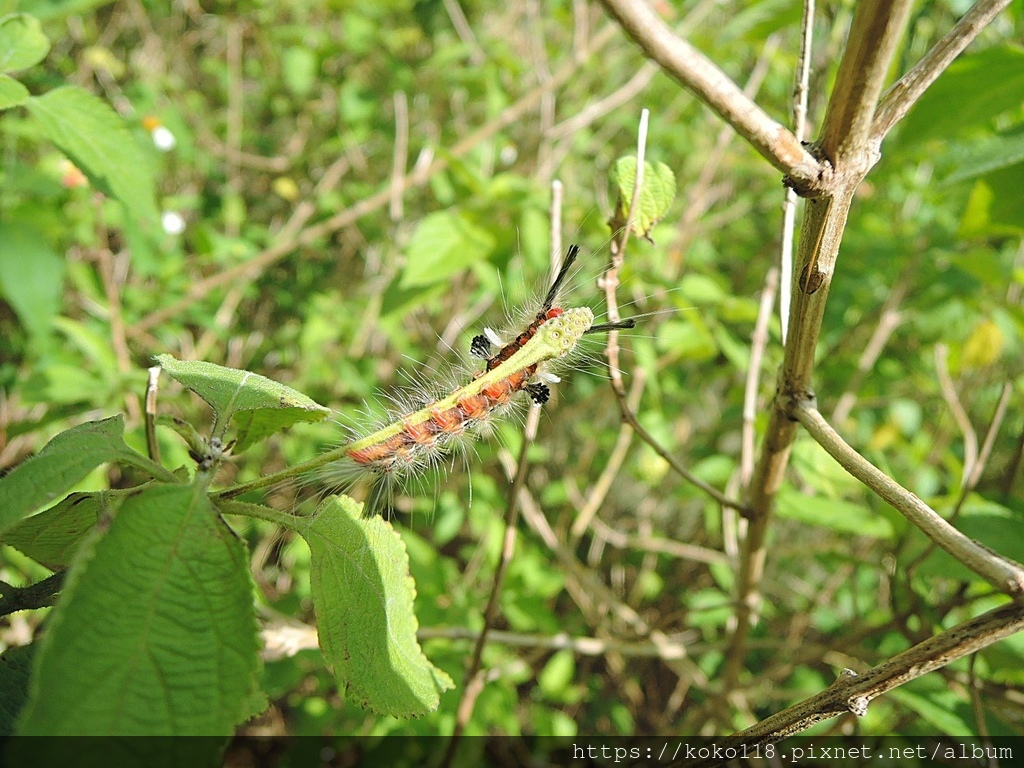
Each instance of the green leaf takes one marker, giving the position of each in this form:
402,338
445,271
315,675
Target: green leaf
96,139
836,514
15,671
443,244
995,207
656,194
982,86
64,461
22,42
983,157
154,633
260,406
937,708
31,276
12,93
363,595
53,536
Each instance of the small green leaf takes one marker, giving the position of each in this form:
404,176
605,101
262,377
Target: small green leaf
443,244
12,93
260,406
363,596
31,276
53,536
22,42
96,139
64,461
995,207
656,194
154,633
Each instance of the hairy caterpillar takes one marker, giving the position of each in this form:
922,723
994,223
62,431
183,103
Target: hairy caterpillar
421,438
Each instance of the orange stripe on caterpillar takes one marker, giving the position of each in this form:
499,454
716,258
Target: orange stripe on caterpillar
420,438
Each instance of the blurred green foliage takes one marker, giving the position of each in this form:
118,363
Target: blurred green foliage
290,124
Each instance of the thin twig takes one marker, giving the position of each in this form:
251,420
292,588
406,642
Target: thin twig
611,469
888,320
963,421
399,157
803,77
38,595
1002,573
152,445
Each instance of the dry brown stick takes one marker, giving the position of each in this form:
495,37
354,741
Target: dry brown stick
852,692
700,75
963,421
600,489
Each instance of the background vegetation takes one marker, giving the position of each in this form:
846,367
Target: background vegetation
362,187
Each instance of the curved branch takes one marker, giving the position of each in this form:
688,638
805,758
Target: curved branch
699,74
1003,574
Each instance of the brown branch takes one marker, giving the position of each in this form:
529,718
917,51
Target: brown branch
1002,573
699,74
852,692
877,27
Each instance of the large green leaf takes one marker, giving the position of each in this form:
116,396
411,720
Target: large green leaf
154,633
259,406
363,595
22,42
981,85
444,243
31,276
15,669
62,462
96,139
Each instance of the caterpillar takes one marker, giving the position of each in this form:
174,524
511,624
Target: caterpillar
420,439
